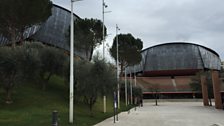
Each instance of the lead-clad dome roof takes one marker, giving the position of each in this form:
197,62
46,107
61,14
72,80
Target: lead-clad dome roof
176,56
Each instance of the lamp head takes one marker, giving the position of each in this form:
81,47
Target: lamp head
105,5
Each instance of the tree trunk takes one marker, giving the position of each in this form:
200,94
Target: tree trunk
210,101
49,76
88,50
86,54
8,96
122,67
65,81
44,85
21,38
91,107
156,100
13,38
9,85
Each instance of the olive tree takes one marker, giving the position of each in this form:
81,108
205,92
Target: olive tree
52,63
9,70
94,79
18,65
29,60
85,86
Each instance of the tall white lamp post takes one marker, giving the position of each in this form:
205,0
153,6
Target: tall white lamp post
118,85
104,6
71,66
126,91
131,89
71,91
135,76
103,12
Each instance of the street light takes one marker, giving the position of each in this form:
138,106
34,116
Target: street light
135,76
118,86
131,88
71,91
103,12
126,92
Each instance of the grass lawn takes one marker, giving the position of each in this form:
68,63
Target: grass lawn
33,107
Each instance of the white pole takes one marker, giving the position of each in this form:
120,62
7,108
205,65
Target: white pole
103,26
135,77
103,12
104,104
71,66
135,86
104,97
118,86
126,92
131,89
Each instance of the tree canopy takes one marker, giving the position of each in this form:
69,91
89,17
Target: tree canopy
53,62
88,34
29,62
94,79
129,50
8,70
18,15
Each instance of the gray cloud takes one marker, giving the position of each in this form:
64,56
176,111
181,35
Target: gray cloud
160,21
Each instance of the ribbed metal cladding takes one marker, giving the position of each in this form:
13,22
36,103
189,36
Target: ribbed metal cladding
177,56
53,31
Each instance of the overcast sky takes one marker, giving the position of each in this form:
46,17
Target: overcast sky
160,21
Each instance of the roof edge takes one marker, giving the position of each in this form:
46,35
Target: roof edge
66,10
169,43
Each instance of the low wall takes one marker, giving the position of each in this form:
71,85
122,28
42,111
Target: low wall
175,100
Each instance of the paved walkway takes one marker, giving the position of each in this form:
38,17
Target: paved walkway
169,114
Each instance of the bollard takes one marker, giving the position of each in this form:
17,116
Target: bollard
55,118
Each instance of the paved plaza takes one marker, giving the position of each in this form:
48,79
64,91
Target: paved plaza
169,114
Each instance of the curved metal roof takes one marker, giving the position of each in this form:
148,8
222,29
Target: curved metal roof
182,43
176,56
53,31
